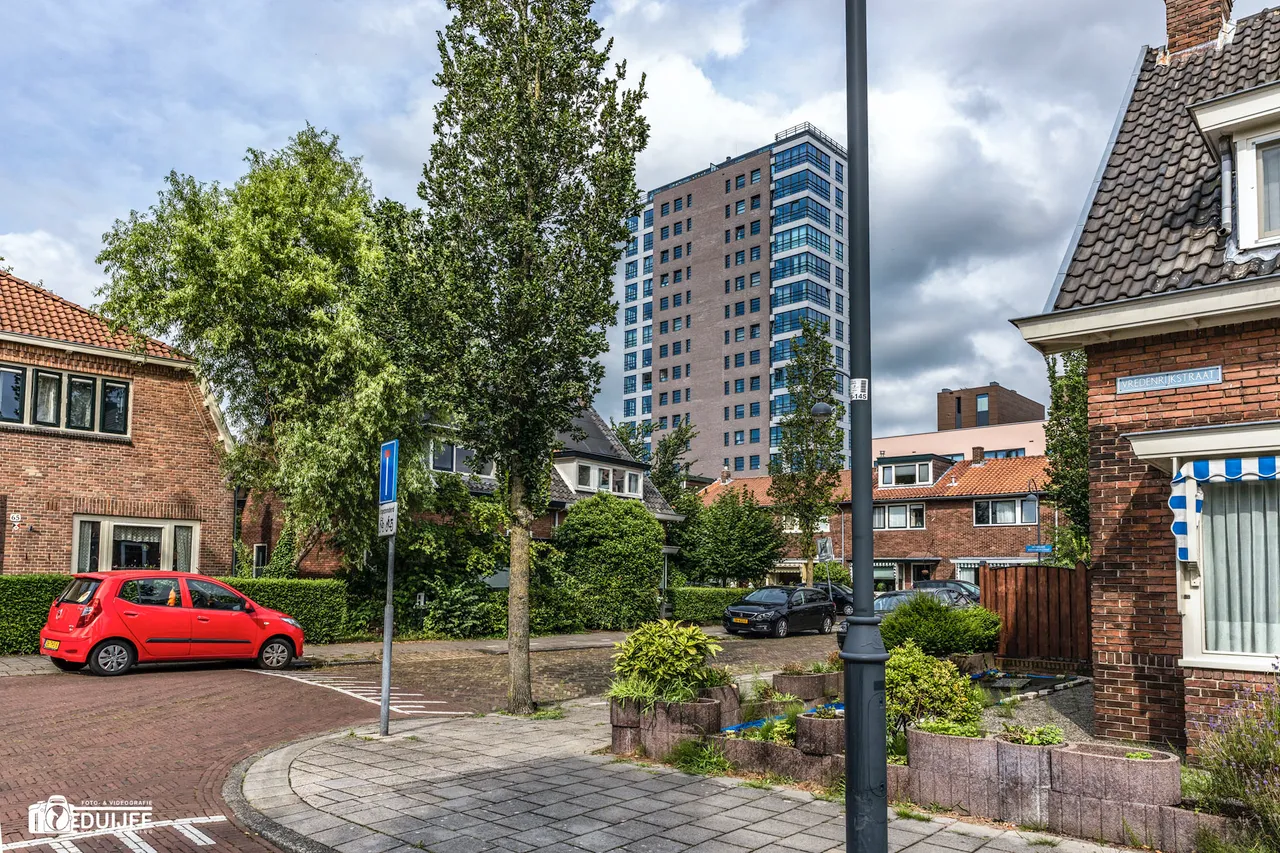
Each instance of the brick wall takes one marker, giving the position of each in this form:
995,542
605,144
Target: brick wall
1004,406
262,521
168,468
1194,22
1210,693
1139,689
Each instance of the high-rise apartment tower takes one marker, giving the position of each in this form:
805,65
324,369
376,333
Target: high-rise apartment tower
722,267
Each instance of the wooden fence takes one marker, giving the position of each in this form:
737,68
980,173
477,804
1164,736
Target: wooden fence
1044,610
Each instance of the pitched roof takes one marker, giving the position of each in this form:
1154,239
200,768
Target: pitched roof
966,479
26,309
597,439
1152,225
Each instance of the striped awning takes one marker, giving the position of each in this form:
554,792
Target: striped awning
1187,499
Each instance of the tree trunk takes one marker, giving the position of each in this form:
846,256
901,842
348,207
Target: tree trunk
806,574
520,689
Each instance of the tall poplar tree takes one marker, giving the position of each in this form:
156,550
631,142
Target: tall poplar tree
805,471
1066,438
530,184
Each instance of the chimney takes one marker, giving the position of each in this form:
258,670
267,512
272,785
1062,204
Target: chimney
1191,23
725,476
978,454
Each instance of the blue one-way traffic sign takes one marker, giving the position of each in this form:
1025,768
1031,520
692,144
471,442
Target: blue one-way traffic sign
387,468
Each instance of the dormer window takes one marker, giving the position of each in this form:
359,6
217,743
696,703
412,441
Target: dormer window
909,474
584,476
1268,157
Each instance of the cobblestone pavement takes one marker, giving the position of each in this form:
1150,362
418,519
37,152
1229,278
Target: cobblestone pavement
169,735
479,681
1071,710
25,665
498,783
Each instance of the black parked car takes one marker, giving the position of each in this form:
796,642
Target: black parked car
841,595
969,590
781,610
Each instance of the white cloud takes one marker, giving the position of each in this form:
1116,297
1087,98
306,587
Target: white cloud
59,265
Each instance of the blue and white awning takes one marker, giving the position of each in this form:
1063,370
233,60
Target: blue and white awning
1187,500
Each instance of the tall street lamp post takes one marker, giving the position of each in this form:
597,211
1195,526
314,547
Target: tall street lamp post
864,656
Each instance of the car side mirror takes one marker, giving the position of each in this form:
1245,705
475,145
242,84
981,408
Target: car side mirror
249,608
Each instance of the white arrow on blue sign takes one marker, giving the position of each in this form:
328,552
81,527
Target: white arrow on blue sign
1039,549
387,470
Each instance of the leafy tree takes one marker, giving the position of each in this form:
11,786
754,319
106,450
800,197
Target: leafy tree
1066,439
613,548
276,287
805,472
632,436
736,539
668,469
530,183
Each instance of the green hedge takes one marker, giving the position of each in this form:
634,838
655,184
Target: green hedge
940,630
702,605
24,607
320,605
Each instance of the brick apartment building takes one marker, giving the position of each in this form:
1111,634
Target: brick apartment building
934,518
1170,287
109,456
723,266
990,405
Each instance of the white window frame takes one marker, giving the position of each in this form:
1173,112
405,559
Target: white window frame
1249,221
1017,502
27,418
924,475
106,527
620,481
883,510
1195,654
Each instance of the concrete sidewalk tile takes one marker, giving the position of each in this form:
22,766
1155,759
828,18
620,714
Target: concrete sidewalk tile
749,837
689,834
372,843
655,844
599,841
808,843
339,834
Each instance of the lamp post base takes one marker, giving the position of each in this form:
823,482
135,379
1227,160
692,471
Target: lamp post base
866,783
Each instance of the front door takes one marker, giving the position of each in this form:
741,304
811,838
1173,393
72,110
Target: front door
220,628
153,612
921,572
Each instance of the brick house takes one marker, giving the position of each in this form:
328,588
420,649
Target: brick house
109,455
588,462
933,518
1170,287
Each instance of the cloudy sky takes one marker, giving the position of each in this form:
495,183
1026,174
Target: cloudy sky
988,121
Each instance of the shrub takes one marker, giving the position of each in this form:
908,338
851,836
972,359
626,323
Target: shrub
1241,759
319,605
613,548
1038,736
919,686
948,727
940,630
25,601
664,654
701,759
702,605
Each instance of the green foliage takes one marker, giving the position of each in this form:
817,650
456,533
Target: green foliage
555,712
702,605
668,467
1241,756
1069,547
632,435
824,712
940,630
1066,438
283,562
320,605
700,759
663,655
26,600
613,548
287,290
1037,736
833,571
918,686
634,689
1139,755
715,676
528,189
949,727
805,472
737,540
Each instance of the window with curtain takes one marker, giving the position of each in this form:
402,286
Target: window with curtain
181,548
1241,567
88,551
135,546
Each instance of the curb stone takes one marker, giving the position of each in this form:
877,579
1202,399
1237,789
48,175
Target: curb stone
278,834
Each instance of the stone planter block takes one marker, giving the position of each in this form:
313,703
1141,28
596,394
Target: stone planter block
730,705
626,740
808,686
764,757
817,736
1179,827
625,714
1024,782
763,710
1101,770
669,723
899,778
835,686
957,772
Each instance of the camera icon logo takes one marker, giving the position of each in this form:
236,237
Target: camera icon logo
54,816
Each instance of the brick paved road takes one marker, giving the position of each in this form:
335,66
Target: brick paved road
168,735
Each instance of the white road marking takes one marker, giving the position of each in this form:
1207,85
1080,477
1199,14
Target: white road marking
134,843
367,691
62,843
194,835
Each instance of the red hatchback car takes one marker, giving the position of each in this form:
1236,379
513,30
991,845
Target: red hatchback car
112,620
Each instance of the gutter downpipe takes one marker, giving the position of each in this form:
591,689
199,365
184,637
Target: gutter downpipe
1228,187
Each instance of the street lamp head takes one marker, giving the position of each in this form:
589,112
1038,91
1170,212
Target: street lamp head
821,412
1032,496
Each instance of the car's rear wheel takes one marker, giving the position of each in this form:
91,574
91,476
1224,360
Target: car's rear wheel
276,653
848,610
826,625
68,665
111,657
780,628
